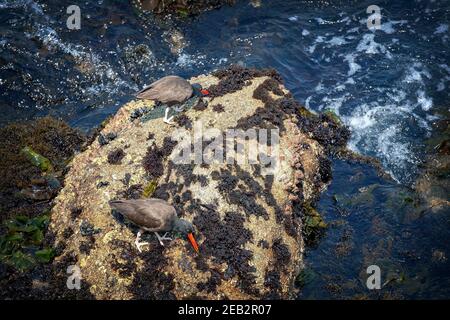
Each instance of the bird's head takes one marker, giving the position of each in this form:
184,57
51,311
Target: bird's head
184,227
199,91
187,229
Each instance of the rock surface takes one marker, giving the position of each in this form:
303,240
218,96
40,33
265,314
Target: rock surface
249,225
182,7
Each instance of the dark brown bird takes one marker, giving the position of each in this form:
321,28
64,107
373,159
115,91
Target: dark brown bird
154,215
173,91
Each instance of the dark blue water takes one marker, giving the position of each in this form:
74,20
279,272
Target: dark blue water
377,222
388,85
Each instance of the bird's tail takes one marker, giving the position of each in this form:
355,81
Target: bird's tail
142,93
116,204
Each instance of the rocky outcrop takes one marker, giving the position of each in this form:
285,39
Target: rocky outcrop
248,218
182,7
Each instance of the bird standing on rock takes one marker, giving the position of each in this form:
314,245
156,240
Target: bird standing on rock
154,215
172,91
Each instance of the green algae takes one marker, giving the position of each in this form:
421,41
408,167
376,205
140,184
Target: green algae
149,189
21,247
37,159
333,116
304,277
313,224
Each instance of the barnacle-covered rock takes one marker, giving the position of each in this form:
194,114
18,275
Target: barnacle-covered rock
248,216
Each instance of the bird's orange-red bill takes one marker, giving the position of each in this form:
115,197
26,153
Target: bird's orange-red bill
204,92
193,242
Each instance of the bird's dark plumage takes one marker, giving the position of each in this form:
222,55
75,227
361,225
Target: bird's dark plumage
149,214
168,90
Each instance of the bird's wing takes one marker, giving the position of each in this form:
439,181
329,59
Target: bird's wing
167,89
151,214
137,214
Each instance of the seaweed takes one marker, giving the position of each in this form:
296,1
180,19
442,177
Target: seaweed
104,139
201,105
263,244
149,189
224,240
153,160
102,184
21,247
87,229
85,247
183,121
181,8
150,283
236,77
30,151
272,281
281,253
116,156
211,284
218,108
134,191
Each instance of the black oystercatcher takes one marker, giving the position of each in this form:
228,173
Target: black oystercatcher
173,91
154,215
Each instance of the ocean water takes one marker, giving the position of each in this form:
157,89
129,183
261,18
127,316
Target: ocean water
388,85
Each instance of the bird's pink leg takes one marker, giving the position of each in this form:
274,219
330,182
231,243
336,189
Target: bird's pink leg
164,237
139,244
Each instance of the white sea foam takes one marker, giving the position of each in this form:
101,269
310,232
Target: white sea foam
442,28
184,59
425,102
415,73
374,130
388,27
307,102
445,67
320,20
319,87
370,46
353,66
337,41
35,7
362,118
305,32
334,103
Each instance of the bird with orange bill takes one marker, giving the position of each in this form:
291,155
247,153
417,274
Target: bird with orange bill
154,215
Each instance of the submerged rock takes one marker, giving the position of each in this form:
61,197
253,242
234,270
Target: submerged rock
34,155
182,7
248,218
